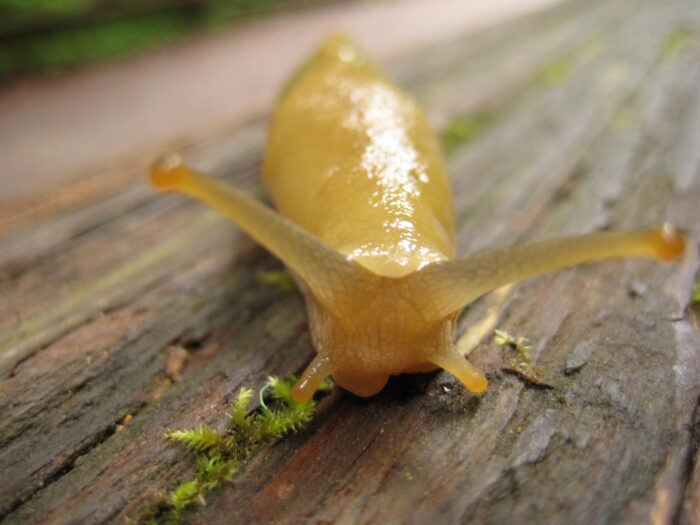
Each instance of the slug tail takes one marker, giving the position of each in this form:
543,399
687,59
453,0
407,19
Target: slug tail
453,284
329,275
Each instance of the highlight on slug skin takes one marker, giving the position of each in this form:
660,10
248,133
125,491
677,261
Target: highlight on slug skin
168,173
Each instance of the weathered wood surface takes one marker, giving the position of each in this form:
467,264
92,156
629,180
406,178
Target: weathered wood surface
593,112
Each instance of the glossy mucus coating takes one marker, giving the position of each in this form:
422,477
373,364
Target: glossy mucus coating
353,160
366,226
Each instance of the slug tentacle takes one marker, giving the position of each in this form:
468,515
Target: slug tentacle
319,369
458,365
329,275
453,284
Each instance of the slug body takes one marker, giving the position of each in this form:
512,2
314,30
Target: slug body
366,226
354,162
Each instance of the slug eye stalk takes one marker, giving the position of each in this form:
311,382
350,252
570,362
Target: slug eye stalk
453,284
328,274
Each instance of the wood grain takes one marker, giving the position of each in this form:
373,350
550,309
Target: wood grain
593,122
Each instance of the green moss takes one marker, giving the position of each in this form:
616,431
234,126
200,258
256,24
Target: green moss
184,495
559,70
199,439
219,455
676,42
696,292
520,344
554,73
281,279
463,129
521,362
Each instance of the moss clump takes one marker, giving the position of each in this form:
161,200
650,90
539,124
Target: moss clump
677,42
219,455
463,129
696,292
520,363
521,345
554,73
281,279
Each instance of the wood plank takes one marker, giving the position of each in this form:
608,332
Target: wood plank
98,292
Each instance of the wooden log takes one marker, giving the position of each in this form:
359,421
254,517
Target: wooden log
592,122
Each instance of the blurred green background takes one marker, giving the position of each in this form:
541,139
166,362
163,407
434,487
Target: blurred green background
40,36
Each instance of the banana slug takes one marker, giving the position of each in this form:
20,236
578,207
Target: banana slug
366,225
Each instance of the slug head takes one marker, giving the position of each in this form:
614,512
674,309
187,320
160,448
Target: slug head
384,327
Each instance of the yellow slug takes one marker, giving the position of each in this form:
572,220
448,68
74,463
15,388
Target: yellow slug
365,223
